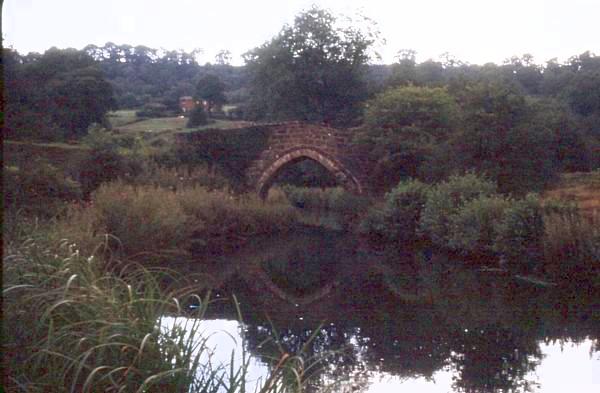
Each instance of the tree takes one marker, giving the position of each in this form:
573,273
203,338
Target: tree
197,118
502,137
211,89
313,70
78,99
223,57
402,126
56,95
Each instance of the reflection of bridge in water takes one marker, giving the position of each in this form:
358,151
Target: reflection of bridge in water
385,318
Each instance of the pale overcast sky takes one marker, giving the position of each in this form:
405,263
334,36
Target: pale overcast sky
477,31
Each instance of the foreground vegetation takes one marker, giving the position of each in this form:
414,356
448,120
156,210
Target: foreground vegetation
86,324
83,265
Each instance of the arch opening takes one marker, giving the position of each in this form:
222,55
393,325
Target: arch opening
342,176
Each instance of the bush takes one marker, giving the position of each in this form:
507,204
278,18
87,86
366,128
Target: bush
397,220
520,232
197,118
111,158
446,200
473,228
38,188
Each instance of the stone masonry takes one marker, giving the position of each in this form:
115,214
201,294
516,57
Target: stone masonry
291,142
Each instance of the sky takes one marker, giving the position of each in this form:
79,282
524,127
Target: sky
474,31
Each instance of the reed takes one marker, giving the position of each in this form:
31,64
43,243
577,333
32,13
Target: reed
73,326
572,246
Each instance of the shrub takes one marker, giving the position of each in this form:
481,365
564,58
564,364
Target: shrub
397,219
473,228
38,188
112,157
520,232
446,199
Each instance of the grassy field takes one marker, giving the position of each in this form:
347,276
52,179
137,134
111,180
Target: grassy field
582,188
173,124
122,117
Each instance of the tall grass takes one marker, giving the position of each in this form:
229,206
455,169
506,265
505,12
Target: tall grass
157,222
572,246
72,326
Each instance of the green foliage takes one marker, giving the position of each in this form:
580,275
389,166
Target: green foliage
312,70
143,219
230,151
62,92
91,329
446,200
111,158
402,126
154,223
473,229
222,222
197,118
211,89
38,188
502,139
520,232
397,220
180,177
572,247
418,114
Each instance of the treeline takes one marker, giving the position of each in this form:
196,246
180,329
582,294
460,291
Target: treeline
59,94
518,123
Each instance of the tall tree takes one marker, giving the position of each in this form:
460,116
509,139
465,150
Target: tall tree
55,95
401,126
313,70
211,89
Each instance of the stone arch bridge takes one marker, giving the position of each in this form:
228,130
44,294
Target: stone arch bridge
287,143
291,142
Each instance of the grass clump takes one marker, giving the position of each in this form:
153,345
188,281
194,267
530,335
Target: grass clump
143,219
571,247
77,326
153,223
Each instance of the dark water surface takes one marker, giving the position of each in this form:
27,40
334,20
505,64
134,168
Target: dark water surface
413,322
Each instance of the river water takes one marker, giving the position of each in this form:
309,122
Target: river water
413,322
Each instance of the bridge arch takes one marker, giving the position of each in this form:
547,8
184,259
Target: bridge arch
343,176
